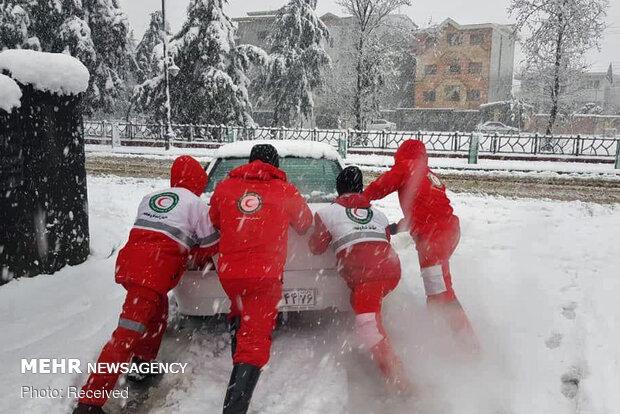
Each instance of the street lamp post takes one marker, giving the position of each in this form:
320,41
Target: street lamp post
169,132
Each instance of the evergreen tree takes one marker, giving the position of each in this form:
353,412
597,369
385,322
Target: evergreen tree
14,27
149,50
96,32
297,62
211,86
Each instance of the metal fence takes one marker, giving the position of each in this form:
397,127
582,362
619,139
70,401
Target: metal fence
456,142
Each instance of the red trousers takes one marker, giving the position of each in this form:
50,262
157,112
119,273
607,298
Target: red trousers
255,302
141,326
434,252
367,297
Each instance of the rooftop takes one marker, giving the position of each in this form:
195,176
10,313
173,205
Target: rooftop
506,28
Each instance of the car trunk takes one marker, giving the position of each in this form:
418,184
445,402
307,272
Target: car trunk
299,256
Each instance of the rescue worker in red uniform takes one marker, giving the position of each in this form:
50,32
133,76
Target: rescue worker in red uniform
430,220
170,224
252,209
367,262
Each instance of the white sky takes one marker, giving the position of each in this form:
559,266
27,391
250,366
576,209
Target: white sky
422,12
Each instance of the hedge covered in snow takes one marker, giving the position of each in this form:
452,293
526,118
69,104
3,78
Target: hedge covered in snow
47,72
10,94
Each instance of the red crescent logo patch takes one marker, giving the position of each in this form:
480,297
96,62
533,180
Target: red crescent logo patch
250,203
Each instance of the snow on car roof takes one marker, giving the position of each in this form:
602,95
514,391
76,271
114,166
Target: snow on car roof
10,94
285,148
49,72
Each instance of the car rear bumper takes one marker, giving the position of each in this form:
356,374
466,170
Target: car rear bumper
202,295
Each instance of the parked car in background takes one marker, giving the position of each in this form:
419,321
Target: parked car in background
310,282
495,126
381,125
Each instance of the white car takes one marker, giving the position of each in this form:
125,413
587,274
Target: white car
494,126
310,282
382,125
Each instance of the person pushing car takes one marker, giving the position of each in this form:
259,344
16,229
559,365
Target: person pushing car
171,225
252,209
430,220
367,262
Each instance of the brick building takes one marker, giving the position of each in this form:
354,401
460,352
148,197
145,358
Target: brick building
463,66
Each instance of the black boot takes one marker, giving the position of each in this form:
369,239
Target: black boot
137,377
88,409
243,379
233,327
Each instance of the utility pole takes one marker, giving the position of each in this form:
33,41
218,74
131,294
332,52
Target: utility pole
169,136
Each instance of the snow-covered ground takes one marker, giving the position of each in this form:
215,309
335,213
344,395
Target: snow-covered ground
498,167
370,162
538,278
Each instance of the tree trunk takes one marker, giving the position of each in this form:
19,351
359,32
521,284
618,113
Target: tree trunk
357,104
555,91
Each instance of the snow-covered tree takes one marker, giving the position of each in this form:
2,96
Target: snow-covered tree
211,86
149,50
369,15
297,62
96,32
14,27
557,35
591,108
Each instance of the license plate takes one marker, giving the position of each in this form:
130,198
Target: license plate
298,298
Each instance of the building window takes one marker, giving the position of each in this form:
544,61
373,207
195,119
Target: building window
476,39
430,69
475,67
429,96
473,95
430,42
594,84
453,93
455,39
455,67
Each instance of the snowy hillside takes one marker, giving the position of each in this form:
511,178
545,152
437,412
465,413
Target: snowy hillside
538,278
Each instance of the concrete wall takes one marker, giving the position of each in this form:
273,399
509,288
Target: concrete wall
422,119
607,125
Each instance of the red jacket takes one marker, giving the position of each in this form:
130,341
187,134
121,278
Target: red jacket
253,209
367,259
422,195
170,224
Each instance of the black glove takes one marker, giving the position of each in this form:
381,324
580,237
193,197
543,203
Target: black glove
393,229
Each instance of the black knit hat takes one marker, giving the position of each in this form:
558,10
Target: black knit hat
265,153
350,180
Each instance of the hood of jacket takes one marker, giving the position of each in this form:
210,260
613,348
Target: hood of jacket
258,170
411,150
353,200
187,173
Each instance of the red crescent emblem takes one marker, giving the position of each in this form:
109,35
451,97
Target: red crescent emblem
250,203
160,202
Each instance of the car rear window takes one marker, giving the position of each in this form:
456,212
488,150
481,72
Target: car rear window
315,178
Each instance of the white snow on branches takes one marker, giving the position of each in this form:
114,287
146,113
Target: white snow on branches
10,94
50,72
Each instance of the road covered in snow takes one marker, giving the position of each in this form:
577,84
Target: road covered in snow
538,278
